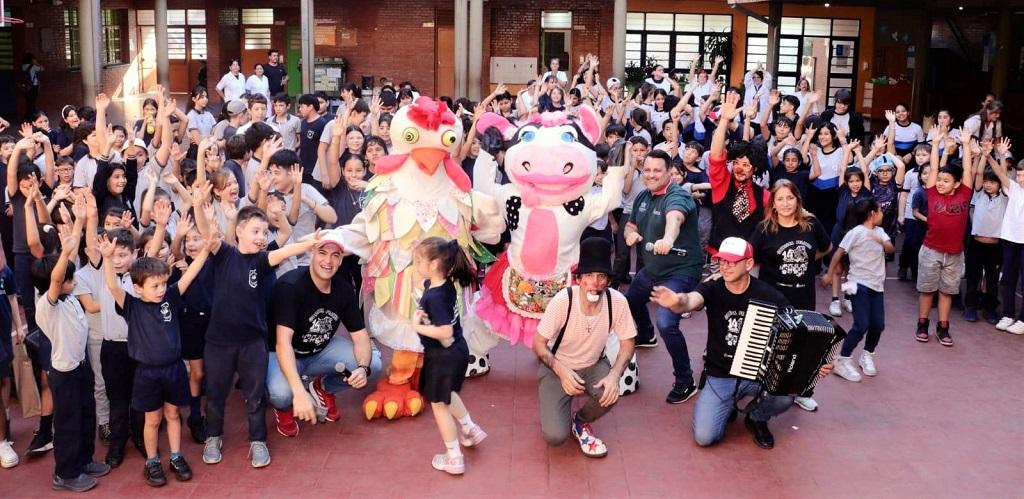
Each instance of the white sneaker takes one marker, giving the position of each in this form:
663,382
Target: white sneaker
845,369
806,403
8,458
1004,323
835,309
867,363
1016,328
848,305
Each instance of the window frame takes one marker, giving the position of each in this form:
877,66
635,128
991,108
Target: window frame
673,42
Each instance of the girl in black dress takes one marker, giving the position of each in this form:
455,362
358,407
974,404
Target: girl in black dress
445,353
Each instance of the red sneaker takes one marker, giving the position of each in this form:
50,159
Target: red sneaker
286,424
325,399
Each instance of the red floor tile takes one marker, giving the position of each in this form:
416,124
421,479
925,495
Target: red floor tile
936,422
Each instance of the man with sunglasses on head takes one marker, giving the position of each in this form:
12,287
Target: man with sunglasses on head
726,299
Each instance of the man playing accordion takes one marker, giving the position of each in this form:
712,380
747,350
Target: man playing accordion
727,299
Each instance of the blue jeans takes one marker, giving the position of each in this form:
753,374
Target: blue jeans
339,349
717,400
639,295
868,317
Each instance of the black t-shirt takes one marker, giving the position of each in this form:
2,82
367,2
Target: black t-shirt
309,141
801,178
787,256
274,75
154,337
199,296
725,312
442,307
240,297
312,315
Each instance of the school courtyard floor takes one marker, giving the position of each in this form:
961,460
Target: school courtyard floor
936,422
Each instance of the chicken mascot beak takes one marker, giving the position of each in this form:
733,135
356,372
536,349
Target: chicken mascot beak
429,158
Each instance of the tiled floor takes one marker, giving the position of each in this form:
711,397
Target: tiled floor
936,422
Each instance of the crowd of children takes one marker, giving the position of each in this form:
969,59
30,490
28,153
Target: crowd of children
145,255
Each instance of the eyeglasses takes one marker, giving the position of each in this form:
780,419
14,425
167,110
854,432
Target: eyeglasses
726,263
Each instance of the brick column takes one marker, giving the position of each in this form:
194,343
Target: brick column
618,40
163,71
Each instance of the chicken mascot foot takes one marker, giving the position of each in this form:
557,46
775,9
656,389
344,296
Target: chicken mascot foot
397,395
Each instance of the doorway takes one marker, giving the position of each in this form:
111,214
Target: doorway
556,44
444,76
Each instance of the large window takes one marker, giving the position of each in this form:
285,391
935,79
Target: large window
114,49
821,50
72,45
113,39
186,32
673,40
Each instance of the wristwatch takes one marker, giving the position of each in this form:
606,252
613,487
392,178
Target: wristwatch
365,368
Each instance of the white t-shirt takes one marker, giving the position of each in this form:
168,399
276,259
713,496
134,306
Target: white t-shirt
258,85
637,188
201,121
987,218
1013,224
602,222
560,75
93,283
64,325
830,165
85,172
867,256
907,136
232,86
911,183
289,130
663,84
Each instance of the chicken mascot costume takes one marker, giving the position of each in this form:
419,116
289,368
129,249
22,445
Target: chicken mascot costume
418,191
551,165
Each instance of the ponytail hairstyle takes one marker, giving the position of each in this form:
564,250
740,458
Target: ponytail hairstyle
455,265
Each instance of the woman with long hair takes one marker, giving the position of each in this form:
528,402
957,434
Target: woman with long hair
789,244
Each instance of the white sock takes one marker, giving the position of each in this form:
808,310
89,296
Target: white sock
466,422
453,448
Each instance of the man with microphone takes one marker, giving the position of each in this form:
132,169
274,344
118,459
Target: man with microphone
309,363
664,220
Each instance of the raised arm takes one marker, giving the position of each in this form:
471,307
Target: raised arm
166,107
933,172
295,249
1000,168
196,265
728,112
890,131
968,177
69,243
102,102
107,246
677,302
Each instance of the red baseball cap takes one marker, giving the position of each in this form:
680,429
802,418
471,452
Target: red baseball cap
734,249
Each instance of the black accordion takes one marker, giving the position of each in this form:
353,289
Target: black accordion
784,349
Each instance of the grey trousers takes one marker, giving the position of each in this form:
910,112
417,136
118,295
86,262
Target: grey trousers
556,405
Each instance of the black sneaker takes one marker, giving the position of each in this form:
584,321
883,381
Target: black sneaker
762,435
104,433
902,274
651,343
41,444
115,456
182,471
922,331
681,393
96,470
81,483
154,473
942,332
198,429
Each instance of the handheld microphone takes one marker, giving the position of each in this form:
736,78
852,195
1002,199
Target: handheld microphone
343,371
674,251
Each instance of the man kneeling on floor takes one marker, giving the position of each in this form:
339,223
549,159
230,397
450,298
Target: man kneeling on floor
570,344
726,299
309,304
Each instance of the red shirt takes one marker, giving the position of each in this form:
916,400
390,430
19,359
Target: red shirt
947,219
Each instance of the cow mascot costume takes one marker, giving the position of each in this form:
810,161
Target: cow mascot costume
551,165
419,191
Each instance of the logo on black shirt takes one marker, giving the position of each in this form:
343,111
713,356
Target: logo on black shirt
165,311
253,278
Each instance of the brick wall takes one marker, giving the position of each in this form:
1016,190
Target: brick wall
393,38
